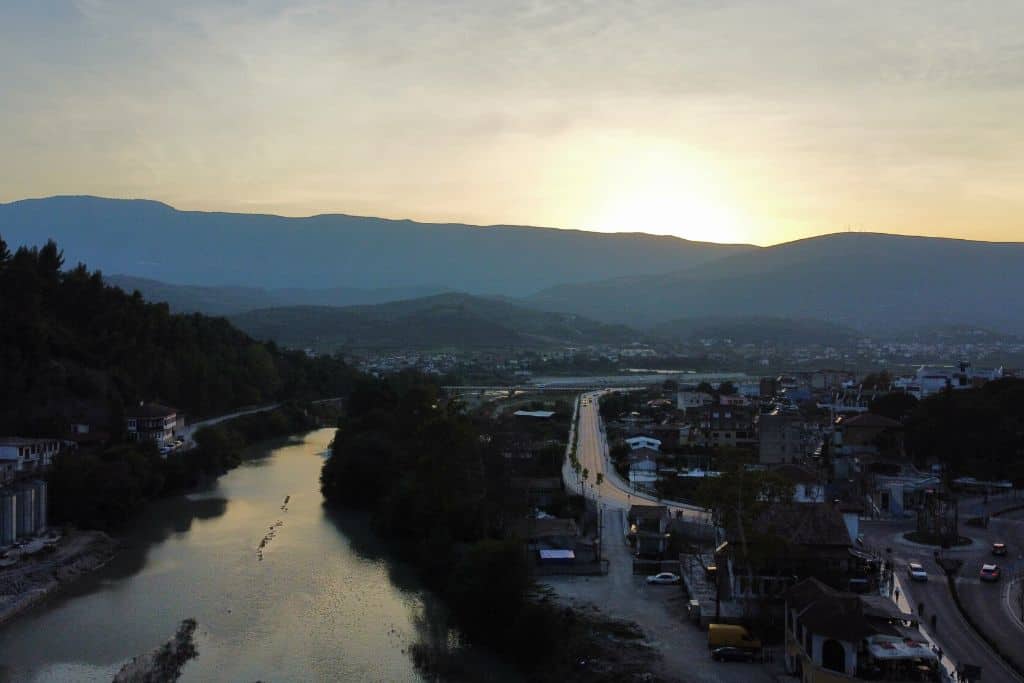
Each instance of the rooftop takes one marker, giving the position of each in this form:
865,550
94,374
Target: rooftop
809,524
150,410
871,420
22,441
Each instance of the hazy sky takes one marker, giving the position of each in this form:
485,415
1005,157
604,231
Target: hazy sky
748,121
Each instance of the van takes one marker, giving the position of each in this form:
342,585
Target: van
730,635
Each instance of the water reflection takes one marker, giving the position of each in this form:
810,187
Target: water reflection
326,603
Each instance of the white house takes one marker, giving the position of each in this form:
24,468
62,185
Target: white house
643,468
636,442
151,422
19,455
693,399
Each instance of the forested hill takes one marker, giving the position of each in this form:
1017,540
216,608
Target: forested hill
444,320
73,348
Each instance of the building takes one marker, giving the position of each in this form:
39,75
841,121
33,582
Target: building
781,437
838,636
788,543
808,486
8,517
686,400
643,468
731,426
151,422
21,457
636,442
868,433
648,529
22,511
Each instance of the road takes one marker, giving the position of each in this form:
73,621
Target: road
188,434
592,453
658,610
986,603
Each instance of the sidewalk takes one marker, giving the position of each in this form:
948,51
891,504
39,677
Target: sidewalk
905,605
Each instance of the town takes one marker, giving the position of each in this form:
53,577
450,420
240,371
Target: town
733,514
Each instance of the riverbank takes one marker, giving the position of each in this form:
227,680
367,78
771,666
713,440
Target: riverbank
36,576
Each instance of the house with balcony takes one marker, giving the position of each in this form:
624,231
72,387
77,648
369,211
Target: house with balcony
152,422
21,457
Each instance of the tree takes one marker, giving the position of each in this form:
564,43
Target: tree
727,388
895,405
877,380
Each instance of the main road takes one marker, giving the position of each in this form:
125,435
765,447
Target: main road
986,603
593,456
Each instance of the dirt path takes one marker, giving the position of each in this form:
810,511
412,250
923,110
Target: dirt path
658,610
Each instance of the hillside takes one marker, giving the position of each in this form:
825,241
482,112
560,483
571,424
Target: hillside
868,281
73,348
229,300
760,330
437,321
152,240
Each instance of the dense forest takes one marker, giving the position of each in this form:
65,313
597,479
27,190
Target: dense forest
438,491
973,432
104,488
75,349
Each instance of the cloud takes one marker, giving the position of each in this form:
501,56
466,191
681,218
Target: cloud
394,106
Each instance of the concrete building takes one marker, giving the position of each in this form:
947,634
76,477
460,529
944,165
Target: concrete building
151,422
8,517
27,456
23,512
781,437
693,399
731,426
636,442
648,528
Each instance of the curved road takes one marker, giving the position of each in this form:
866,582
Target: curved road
592,452
985,602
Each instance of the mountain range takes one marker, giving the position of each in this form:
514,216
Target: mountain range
152,240
452,319
231,264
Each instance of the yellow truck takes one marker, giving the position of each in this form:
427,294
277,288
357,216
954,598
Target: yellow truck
731,635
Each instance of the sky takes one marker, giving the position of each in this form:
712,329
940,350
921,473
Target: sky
728,121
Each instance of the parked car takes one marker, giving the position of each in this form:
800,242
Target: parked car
732,654
990,572
664,578
916,572
998,548
731,635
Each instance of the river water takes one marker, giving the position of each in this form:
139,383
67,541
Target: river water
324,603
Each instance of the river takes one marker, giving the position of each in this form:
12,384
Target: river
323,604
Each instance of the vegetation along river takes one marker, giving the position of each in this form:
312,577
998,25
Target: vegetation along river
323,604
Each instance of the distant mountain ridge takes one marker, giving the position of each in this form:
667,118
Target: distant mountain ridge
445,320
873,282
153,240
233,300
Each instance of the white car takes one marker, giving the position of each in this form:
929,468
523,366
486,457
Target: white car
916,572
664,578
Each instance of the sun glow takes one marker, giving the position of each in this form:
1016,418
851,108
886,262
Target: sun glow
663,193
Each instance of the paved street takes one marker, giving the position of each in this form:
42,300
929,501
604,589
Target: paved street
985,602
658,610
592,452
